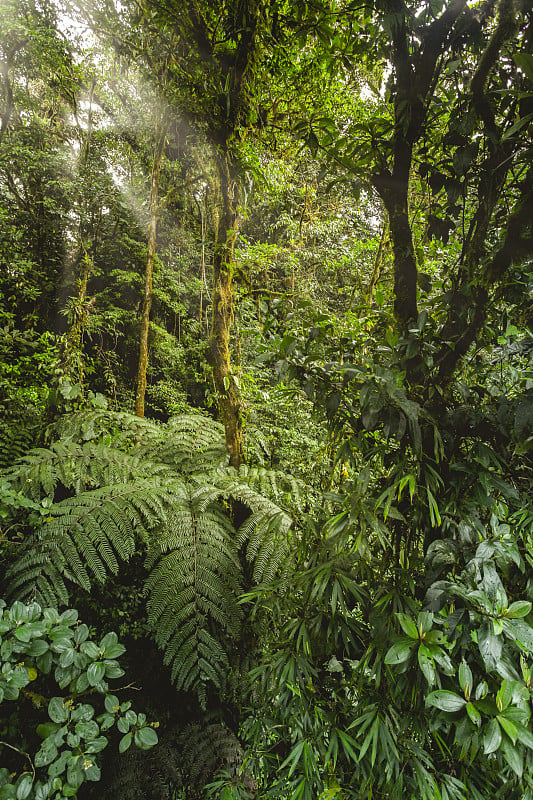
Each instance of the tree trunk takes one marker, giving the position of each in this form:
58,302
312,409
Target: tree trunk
150,257
393,189
218,351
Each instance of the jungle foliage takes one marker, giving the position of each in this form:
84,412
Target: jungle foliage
266,386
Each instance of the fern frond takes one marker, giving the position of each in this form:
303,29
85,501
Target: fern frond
268,548
78,468
187,443
192,588
206,747
121,428
16,438
84,537
284,489
257,447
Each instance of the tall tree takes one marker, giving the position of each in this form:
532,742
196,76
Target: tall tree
159,144
204,61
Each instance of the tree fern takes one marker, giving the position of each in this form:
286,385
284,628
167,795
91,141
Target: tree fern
119,427
84,537
78,467
188,443
264,533
284,489
193,586
113,482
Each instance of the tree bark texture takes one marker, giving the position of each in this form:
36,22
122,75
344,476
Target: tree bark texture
149,273
393,190
218,350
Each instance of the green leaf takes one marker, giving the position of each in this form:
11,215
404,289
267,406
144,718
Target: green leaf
509,728
445,701
46,754
112,703
87,730
58,767
349,746
473,713
123,725
91,650
505,695
519,608
492,737
114,650
524,735
96,745
465,679
426,663
408,625
512,756
146,738
47,729
95,672
399,653
24,787
57,710
425,621
490,646
520,631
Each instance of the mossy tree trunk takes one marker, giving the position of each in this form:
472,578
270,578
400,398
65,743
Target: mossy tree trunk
218,351
149,273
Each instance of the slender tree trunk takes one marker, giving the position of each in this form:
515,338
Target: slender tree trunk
150,257
218,351
393,189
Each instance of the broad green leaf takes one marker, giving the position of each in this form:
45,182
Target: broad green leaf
125,742
24,787
425,621
465,679
95,672
96,745
445,701
46,754
112,703
58,767
508,727
521,632
408,625
47,729
490,646
427,665
520,608
91,650
505,695
492,737
146,738
57,710
473,713
525,736
512,756
399,652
